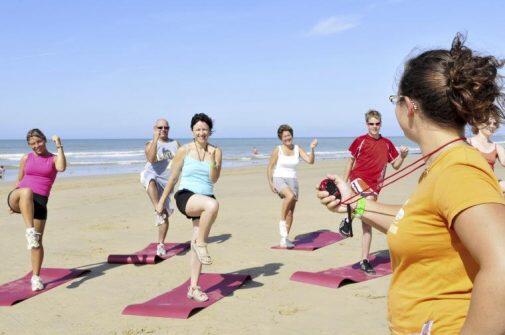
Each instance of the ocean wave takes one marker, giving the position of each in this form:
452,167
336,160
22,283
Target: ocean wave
105,154
123,162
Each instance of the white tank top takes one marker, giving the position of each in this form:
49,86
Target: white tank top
286,165
164,154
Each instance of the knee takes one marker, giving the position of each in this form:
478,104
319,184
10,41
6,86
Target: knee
212,206
290,197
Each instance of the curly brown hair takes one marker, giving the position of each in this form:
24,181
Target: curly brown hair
455,87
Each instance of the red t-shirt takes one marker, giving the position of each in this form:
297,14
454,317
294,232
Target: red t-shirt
371,158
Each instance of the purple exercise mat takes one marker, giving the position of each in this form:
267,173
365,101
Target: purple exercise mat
314,240
21,289
148,254
175,304
338,277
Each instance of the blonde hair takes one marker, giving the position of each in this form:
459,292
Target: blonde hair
372,113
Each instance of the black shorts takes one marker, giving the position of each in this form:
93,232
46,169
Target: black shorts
39,206
181,199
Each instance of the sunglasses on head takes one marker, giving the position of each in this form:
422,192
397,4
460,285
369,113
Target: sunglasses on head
164,128
374,123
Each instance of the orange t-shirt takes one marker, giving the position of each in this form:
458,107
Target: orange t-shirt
433,272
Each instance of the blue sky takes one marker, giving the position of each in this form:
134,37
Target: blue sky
108,69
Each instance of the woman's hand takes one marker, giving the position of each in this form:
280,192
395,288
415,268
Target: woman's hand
330,201
213,157
313,144
272,188
57,140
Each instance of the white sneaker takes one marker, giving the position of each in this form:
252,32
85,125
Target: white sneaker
37,283
32,238
160,250
285,243
159,219
283,230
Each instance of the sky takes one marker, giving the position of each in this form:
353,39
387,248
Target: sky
108,69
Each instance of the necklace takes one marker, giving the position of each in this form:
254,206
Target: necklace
423,159
198,151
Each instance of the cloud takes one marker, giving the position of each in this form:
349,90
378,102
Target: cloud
334,25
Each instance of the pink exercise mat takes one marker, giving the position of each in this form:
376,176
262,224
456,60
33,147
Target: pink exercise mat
175,304
314,240
338,277
148,254
21,289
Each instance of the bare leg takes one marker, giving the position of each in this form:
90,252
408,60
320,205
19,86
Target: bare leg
37,254
289,216
287,202
162,231
367,235
21,200
152,192
195,265
206,208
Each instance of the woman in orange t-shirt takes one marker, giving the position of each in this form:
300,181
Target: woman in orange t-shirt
448,263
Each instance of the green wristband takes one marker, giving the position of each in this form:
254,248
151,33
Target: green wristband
360,208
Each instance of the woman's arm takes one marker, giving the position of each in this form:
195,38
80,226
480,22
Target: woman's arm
379,216
485,240
21,172
176,169
309,158
270,168
60,161
501,154
216,158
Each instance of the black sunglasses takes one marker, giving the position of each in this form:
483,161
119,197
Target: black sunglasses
165,128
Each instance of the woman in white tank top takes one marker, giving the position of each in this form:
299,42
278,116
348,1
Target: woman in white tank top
282,179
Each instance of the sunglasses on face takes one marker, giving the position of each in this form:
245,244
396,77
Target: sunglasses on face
374,123
163,128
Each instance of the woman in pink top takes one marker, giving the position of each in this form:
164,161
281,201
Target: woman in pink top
37,172
490,150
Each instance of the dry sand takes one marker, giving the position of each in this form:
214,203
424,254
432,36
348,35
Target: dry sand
92,217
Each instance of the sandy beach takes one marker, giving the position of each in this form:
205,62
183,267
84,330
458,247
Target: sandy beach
92,217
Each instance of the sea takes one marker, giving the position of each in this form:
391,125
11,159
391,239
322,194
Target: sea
88,157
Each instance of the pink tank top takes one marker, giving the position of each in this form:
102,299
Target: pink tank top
40,173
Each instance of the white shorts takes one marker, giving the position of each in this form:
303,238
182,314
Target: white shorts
161,183
281,183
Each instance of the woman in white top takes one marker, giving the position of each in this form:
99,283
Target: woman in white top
282,179
490,150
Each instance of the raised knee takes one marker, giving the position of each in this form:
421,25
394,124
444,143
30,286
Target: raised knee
213,206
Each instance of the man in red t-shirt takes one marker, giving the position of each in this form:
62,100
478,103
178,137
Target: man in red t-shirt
370,155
